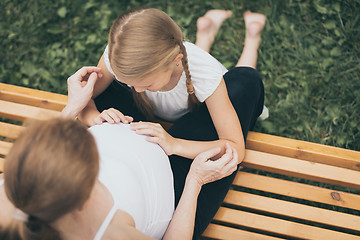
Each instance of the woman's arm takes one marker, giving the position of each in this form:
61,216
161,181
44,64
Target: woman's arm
82,86
90,112
6,207
80,89
225,120
202,171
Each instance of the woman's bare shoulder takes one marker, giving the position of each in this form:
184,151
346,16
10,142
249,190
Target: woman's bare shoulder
123,227
6,207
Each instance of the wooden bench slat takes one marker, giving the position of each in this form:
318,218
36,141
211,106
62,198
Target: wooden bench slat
293,210
297,190
10,130
32,97
275,154
5,147
303,150
22,112
277,226
2,161
302,169
223,232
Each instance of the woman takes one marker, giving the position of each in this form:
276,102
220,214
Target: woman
53,188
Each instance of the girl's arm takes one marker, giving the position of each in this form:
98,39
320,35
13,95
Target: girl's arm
225,120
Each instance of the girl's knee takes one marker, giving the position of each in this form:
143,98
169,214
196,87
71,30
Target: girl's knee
242,81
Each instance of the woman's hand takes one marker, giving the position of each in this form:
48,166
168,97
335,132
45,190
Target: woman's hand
80,90
112,115
203,170
156,134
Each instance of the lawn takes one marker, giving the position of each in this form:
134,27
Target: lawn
309,57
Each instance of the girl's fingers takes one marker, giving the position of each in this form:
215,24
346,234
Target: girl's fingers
112,116
98,120
105,117
115,116
129,119
153,139
139,125
148,131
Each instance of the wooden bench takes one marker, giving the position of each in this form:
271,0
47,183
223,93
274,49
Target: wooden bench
287,189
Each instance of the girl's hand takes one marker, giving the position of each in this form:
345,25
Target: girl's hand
80,89
112,115
157,134
203,170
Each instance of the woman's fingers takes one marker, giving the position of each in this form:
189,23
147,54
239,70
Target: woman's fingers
209,171
91,81
228,162
227,156
205,156
85,70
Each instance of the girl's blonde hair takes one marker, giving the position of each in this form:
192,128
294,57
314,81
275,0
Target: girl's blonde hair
144,41
49,172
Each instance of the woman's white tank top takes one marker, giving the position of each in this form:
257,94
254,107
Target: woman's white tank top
138,175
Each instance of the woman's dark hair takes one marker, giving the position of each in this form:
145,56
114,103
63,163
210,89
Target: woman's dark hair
49,172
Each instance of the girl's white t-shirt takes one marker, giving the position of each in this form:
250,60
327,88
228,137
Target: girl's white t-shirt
206,74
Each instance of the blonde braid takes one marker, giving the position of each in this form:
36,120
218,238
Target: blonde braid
193,102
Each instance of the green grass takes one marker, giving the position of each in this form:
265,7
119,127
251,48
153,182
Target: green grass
309,57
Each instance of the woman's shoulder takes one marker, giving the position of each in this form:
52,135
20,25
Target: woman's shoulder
6,207
120,226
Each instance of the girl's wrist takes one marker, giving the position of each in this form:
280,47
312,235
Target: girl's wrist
175,145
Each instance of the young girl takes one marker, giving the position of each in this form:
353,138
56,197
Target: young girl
158,74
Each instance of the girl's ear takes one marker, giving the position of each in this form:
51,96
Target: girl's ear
178,58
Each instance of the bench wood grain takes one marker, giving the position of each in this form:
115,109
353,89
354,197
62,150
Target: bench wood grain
287,188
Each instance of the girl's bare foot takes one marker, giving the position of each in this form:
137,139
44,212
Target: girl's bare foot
208,26
254,24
